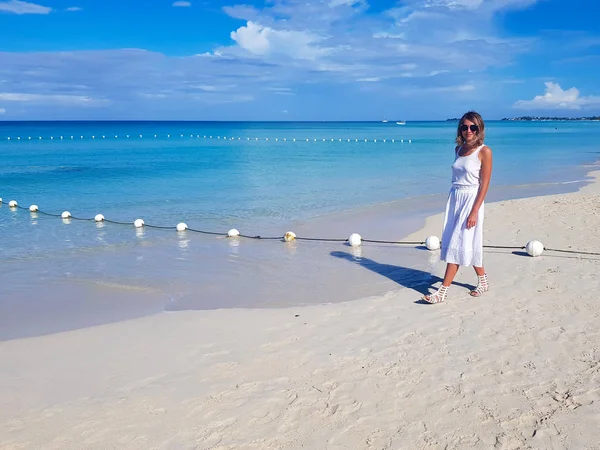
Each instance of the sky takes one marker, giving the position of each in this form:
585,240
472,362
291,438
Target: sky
298,59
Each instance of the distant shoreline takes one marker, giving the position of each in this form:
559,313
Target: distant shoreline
541,119
550,119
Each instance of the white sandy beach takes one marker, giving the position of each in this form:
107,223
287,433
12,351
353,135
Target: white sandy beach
518,368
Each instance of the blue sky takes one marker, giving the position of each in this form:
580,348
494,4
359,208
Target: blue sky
297,59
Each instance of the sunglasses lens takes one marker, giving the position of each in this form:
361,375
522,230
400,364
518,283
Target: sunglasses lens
464,128
474,128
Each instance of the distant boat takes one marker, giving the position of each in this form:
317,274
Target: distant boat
384,121
402,122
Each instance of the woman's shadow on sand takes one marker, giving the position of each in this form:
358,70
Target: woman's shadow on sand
415,279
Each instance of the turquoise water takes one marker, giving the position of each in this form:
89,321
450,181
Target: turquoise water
258,177
217,182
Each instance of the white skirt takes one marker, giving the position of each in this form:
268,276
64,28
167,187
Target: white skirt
460,245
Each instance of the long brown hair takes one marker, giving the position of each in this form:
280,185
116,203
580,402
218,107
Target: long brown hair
477,120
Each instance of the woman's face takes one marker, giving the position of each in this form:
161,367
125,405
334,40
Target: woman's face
469,130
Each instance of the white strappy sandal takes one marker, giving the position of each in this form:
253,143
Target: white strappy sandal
438,296
482,286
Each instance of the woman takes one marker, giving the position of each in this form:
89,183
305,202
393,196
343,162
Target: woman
462,239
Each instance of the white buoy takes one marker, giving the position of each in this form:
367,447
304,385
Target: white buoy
289,236
98,217
432,243
233,233
534,248
34,208
355,240
181,226
139,223
66,215
13,204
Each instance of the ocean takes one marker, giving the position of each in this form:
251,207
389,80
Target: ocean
318,179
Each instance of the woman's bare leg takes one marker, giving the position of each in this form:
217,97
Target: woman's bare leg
451,271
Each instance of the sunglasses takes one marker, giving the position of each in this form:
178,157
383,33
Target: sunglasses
474,128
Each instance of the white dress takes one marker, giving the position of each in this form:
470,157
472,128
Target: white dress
460,245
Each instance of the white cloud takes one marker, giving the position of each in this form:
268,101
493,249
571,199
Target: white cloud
334,3
487,5
19,7
51,99
557,98
386,35
452,4
281,90
261,40
182,4
74,8
2,110
344,43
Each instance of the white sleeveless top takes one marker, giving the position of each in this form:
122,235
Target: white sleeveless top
465,170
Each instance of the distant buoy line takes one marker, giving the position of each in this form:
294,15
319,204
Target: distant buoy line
198,136
533,247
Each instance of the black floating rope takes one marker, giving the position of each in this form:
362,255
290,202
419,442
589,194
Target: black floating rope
373,241
116,222
212,233
506,247
321,239
279,238
572,251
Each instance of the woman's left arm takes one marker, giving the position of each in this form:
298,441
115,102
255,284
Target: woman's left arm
485,175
